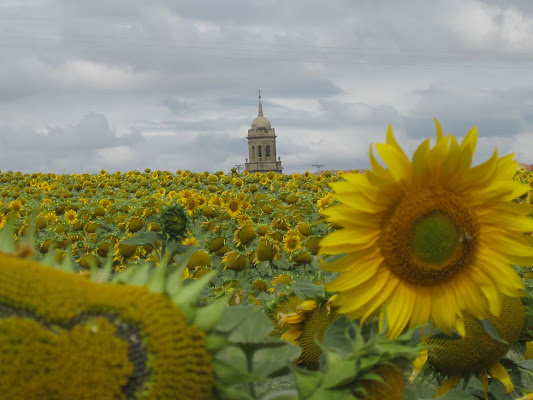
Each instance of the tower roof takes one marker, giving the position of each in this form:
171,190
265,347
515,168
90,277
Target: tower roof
260,121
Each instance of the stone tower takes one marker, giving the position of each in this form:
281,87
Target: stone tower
262,145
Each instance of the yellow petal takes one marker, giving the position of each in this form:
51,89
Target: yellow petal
362,271
440,135
420,162
354,299
399,309
485,382
391,140
448,385
376,166
418,364
422,307
443,308
470,141
294,318
344,241
292,335
499,372
398,163
308,305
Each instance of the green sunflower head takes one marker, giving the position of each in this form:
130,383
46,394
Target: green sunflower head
174,222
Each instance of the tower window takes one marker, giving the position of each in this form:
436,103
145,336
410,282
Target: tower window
253,153
259,154
267,151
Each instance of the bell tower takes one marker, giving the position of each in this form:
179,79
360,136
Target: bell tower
262,145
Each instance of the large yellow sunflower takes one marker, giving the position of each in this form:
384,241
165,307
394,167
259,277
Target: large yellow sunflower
430,238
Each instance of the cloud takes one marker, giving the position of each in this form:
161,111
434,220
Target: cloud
172,84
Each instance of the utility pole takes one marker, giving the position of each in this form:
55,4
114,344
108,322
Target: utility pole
239,166
318,166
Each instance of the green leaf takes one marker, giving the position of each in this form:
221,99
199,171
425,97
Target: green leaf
231,366
143,239
339,372
140,275
270,361
491,330
340,336
208,316
517,351
305,289
254,329
526,364
156,281
189,294
225,392
306,381
282,395
233,316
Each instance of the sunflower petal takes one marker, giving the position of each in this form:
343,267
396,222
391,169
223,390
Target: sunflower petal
399,309
447,385
499,372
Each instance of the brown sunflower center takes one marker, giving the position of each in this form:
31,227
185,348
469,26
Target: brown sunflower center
429,237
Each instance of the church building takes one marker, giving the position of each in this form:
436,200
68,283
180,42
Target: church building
262,145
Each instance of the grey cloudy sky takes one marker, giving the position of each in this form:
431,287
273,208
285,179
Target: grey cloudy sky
125,85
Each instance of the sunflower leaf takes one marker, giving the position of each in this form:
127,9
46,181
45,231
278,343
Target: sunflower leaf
306,381
271,362
305,289
254,329
143,239
491,330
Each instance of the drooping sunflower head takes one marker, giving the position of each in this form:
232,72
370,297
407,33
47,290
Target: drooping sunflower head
430,238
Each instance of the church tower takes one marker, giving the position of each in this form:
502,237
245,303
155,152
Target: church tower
262,145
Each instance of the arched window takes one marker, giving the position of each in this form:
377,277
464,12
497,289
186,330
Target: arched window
259,151
267,151
253,152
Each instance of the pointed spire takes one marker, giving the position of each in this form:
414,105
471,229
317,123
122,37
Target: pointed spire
260,112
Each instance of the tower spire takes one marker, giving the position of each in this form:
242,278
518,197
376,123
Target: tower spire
260,112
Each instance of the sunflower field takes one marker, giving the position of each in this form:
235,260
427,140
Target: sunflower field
412,280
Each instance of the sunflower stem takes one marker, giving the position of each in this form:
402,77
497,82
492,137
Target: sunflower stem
249,364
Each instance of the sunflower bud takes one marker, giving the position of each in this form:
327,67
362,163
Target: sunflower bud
173,222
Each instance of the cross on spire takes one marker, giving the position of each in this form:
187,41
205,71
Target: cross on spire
260,111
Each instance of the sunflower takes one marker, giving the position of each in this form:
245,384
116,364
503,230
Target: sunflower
233,207
15,206
476,353
71,217
307,325
292,242
105,203
428,239
50,217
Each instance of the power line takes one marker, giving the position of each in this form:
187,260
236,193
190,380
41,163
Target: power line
413,63
171,42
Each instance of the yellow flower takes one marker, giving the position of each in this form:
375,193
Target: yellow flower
478,352
190,241
50,216
308,324
15,206
428,239
71,217
292,242
233,207
105,203
3,220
